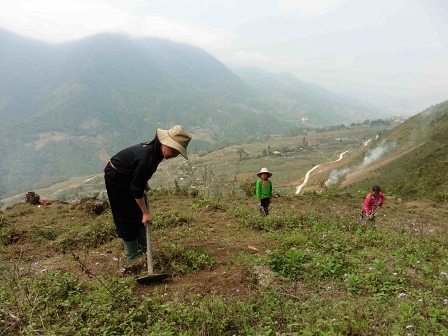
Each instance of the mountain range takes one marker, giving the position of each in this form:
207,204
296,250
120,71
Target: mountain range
66,108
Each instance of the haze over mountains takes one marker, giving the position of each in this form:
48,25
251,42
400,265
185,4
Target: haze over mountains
66,108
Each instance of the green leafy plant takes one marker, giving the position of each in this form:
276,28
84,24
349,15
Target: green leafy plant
332,267
288,264
353,283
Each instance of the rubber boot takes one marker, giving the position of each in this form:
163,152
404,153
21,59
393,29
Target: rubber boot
131,250
142,243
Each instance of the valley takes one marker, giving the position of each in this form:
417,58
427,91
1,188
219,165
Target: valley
224,169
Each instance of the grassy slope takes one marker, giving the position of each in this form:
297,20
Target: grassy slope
309,268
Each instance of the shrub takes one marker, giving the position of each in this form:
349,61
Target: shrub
248,188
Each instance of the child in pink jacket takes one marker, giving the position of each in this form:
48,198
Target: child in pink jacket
373,202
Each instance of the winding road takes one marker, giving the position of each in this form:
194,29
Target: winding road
299,188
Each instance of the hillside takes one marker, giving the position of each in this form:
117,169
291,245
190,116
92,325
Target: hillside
412,160
311,267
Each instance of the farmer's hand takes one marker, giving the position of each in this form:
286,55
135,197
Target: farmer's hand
146,219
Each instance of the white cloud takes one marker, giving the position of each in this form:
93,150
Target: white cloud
49,7
57,21
307,7
186,32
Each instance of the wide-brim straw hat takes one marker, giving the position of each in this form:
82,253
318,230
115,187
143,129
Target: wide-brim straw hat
264,170
176,137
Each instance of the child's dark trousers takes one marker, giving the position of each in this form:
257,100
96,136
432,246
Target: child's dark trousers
264,207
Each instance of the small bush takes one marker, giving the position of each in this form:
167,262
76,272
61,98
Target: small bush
6,235
180,260
46,233
169,220
311,193
249,188
98,233
211,205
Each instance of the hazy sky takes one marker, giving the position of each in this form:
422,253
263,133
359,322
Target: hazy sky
397,47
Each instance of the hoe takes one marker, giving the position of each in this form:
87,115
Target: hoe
151,277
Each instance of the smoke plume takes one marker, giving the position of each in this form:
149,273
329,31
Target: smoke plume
370,157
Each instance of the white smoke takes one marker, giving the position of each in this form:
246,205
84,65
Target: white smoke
335,176
370,157
373,155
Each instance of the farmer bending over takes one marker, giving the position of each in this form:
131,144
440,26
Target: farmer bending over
126,176
372,203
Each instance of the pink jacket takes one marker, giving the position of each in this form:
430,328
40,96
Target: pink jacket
372,203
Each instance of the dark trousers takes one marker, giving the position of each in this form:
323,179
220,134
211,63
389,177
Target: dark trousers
264,207
125,211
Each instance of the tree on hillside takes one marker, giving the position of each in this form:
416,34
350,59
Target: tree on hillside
241,152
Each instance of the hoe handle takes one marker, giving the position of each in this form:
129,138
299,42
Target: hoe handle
149,248
148,240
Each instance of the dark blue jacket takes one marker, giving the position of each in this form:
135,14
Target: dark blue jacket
134,166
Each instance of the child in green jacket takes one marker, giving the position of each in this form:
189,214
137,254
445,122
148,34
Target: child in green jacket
264,191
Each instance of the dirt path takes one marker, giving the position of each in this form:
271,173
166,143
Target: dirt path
299,188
